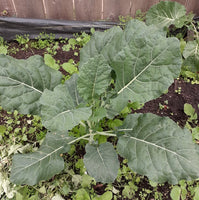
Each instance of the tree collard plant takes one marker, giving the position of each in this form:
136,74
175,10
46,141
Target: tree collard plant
136,64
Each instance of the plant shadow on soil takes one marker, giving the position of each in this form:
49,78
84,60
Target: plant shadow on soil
172,104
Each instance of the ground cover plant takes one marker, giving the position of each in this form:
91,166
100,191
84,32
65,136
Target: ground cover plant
106,88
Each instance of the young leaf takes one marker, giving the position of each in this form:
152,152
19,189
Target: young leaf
190,111
165,13
98,114
94,78
33,167
61,108
158,148
101,162
22,83
191,49
50,61
69,67
175,193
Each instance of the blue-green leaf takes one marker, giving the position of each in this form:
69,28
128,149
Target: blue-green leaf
61,109
101,162
33,167
165,13
94,78
22,83
158,148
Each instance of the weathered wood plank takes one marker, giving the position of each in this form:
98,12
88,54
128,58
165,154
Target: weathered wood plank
112,9
142,5
29,9
192,5
7,8
88,10
59,9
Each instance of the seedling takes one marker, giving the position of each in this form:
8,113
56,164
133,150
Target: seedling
23,40
3,46
178,91
51,62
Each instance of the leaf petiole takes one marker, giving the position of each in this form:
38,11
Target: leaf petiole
108,133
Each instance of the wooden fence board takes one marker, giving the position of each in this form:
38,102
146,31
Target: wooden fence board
192,5
29,9
114,8
85,10
142,5
59,9
88,10
7,8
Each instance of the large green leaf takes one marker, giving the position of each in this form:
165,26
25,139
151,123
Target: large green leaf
145,62
165,13
61,109
33,167
94,78
145,66
101,162
158,148
22,83
97,43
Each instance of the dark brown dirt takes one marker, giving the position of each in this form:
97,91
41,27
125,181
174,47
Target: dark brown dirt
172,103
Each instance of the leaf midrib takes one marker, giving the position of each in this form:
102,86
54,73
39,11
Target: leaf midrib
22,83
139,74
157,146
40,160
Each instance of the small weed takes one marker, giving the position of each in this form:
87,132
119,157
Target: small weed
164,106
43,41
178,90
70,67
13,50
77,42
139,15
51,62
3,46
23,40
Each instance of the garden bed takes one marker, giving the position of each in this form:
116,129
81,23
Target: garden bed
25,133
174,106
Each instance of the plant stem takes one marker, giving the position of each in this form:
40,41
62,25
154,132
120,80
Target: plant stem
82,137
195,30
107,133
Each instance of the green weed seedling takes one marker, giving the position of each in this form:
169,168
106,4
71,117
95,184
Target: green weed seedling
164,106
77,42
178,90
70,67
23,40
192,121
184,190
43,41
3,46
51,62
190,111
